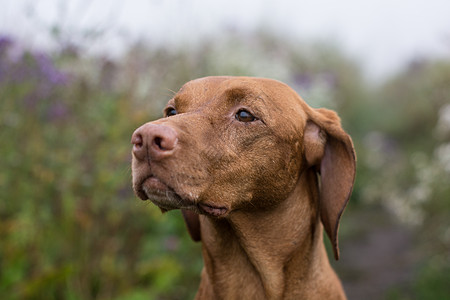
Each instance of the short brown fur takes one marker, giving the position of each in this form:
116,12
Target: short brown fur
256,193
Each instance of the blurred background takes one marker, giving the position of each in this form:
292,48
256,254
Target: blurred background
77,77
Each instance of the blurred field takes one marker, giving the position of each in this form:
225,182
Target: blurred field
71,228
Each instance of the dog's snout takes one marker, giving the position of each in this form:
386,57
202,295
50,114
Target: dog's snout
154,142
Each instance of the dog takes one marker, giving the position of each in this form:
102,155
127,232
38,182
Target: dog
258,175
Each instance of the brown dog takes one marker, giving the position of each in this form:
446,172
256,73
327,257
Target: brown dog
241,157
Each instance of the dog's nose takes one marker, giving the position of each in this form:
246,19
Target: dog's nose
154,142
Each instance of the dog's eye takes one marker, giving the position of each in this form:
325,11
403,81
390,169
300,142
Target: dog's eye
244,116
171,112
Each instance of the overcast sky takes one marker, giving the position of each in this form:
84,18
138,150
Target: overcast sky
382,34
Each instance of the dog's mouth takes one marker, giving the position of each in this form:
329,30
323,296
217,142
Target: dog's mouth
166,198
212,210
161,194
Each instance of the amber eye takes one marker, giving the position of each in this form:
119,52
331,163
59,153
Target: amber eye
171,112
244,116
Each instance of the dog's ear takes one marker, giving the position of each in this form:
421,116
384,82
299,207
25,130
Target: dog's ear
193,224
330,150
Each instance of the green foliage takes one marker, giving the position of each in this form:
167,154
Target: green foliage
434,278
70,225
408,149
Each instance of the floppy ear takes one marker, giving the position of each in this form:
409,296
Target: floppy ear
193,224
329,149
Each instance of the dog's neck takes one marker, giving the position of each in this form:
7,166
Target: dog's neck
265,254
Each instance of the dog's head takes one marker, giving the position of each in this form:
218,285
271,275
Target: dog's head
238,143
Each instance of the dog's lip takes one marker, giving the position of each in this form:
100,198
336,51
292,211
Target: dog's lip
152,188
152,183
158,192
213,210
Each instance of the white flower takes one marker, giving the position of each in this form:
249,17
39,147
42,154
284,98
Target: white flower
442,154
443,124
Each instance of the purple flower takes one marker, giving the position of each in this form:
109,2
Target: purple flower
57,111
172,243
49,71
330,79
5,43
3,70
31,100
303,80
24,69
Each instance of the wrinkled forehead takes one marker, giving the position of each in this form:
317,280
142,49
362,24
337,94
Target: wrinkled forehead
200,91
207,88
277,101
